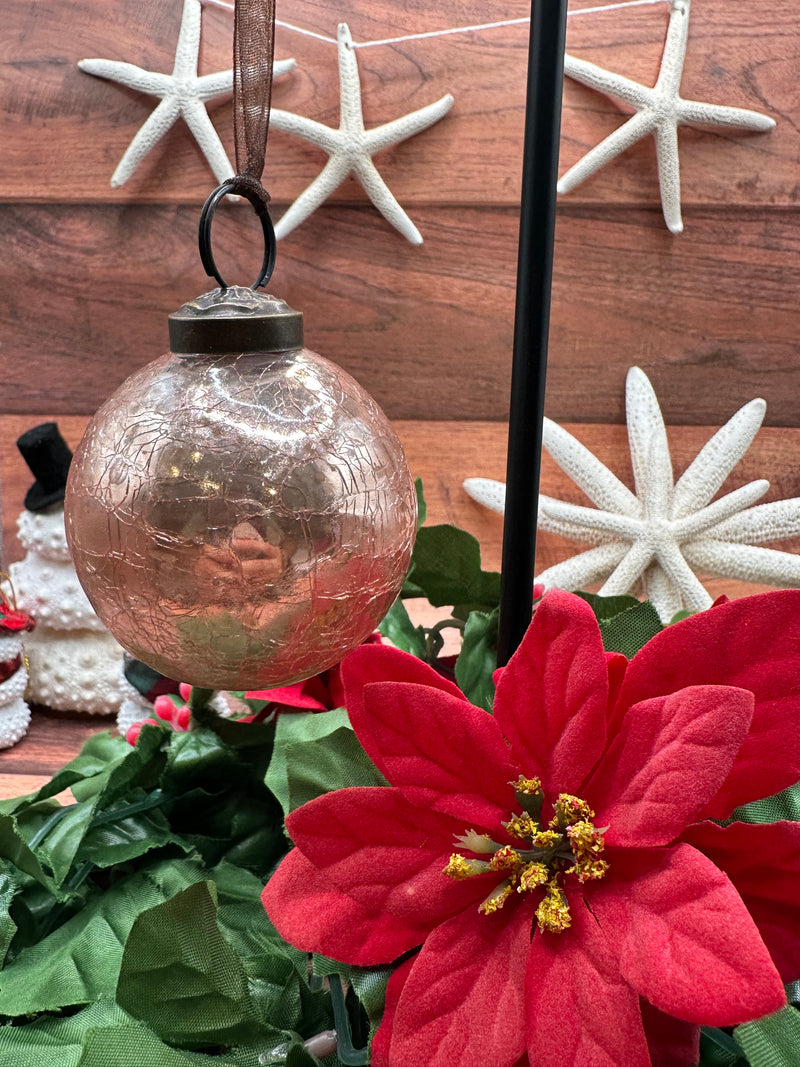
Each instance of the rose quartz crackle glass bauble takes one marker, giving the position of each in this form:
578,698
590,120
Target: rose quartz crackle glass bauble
240,512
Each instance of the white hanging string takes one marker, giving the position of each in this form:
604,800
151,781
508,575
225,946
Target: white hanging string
444,33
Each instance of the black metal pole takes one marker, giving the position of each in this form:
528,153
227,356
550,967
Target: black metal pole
532,317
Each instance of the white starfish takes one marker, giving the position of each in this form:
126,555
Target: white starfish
352,147
665,530
182,93
658,111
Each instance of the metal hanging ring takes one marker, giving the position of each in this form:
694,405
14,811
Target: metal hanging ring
252,190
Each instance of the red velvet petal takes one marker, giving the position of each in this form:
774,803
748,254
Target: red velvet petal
300,695
669,758
450,752
314,916
388,855
672,1042
685,939
580,1010
617,668
751,643
462,1004
551,698
379,1051
763,862
382,663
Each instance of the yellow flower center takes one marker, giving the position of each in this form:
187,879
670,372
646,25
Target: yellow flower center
570,845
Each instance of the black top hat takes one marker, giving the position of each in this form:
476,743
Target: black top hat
48,456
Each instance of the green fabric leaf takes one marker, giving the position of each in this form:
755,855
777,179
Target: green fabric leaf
8,890
15,849
180,976
79,962
782,806
626,624
477,659
446,566
335,762
402,632
773,1041
294,728
57,1042
718,1049
422,507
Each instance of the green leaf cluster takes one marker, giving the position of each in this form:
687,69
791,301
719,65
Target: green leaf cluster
131,925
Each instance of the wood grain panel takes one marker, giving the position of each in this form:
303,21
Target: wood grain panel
63,132
428,331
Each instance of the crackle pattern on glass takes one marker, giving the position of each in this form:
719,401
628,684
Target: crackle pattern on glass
240,521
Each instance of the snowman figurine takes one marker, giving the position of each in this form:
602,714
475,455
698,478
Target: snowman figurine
74,664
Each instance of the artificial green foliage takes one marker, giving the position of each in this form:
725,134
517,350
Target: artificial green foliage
398,628
446,568
478,658
773,1041
626,624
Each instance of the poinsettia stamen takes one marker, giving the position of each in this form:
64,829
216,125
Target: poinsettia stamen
497,899
570,845
475,842
529,794
553,914
459,867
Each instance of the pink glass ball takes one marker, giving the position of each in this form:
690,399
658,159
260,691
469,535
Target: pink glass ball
240,521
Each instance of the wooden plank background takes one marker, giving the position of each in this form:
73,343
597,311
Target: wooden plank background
90,273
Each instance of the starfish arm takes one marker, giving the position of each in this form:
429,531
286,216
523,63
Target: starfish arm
746,563
350,109
647,437
630,568
605,81
207,138
330,178
283,66
722,509
669,174
188,47
401,129
584,569
384,200
487,491
143,81
693,593
601,486
716,459
146,137
661,591
696,113
217,84
637,127
777,521
590,518
674,54
571,530
315,133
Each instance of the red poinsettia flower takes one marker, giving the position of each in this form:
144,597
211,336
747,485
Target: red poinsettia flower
556,862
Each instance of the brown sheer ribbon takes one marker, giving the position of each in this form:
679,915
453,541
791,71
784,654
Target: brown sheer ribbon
253,50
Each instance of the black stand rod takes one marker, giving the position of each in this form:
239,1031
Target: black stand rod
532,317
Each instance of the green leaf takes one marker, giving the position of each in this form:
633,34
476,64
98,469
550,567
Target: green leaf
478,659
422,507
181,977
446,566
79,962
626,624
120,833
8,890
772,1041
296,728
402,632
718,1049
784,806
14,848
57,1042
333,762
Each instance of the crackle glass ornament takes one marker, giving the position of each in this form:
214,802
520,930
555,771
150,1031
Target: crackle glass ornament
240,513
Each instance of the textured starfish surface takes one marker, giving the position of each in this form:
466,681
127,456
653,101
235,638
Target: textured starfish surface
664,531
352,147
658,111
182,94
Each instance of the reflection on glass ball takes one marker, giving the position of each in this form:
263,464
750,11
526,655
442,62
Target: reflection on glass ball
240,521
